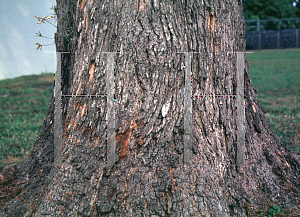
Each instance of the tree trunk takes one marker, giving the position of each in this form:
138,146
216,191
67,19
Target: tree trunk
147,174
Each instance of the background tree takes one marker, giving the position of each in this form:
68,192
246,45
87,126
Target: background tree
297,8
149,177
268,9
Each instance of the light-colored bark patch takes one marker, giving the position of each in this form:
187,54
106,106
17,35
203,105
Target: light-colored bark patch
77,142
213,27
91,72
96,142
87,22
142,5
83,109
83,3
79,87
73,122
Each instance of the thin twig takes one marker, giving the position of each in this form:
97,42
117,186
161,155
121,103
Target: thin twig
40,35
39,46
44,19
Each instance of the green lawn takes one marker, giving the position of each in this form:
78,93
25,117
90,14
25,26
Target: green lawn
24,102
276,76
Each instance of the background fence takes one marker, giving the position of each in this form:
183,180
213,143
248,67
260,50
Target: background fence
273,33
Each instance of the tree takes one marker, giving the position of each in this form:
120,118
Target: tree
150,176
297,8
268,9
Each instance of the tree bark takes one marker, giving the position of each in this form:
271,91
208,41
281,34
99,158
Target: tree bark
148,176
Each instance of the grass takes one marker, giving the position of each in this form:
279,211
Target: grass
274,211
275,73
24,103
